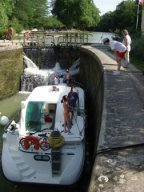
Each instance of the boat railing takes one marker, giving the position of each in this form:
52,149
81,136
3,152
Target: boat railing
76,83
44,38
79,112
15,118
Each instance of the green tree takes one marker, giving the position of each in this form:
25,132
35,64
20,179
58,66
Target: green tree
29,12
107,22
123,17
51,23
6,7
76,13
40,10
23,11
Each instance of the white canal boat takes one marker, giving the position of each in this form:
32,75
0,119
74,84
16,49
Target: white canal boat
36,149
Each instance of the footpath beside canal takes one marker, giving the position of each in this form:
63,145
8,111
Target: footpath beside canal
119,163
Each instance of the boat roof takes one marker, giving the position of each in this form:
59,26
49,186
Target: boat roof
50,93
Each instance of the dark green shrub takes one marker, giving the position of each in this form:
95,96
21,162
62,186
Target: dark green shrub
3,34
138,47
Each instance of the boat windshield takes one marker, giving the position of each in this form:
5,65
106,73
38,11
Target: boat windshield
40,115
33,116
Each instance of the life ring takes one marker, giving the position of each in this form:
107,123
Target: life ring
56,140
44,144
31,140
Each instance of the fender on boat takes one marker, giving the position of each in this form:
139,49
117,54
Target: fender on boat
31,139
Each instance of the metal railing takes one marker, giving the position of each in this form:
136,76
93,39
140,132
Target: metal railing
44,39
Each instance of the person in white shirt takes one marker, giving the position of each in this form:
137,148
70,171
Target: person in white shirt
127,42
119,50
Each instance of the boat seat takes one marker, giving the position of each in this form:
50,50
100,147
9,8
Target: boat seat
47,122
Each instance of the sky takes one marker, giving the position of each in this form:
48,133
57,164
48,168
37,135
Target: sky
106,5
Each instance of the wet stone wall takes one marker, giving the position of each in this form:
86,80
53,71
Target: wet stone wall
46,57
91,75
66,55
11,68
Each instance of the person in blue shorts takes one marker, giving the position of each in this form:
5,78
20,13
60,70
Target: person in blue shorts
72,101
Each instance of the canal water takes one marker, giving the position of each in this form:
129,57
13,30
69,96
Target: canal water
5,185
97,37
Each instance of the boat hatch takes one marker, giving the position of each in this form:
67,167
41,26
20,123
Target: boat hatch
56,161
40,115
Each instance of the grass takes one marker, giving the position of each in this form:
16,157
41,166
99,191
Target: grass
138,62
10,105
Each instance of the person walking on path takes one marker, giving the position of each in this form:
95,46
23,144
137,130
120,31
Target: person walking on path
119,50
127,42
68,77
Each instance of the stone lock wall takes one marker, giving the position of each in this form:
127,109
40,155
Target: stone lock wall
11,68
91,75
66,55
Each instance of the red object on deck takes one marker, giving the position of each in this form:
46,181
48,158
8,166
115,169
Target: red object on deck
48,119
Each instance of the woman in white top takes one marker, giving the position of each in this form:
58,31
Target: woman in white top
127,42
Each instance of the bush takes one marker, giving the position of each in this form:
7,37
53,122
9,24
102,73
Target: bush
137,47
3,34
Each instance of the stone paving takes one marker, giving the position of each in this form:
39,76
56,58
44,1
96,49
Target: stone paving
119,164
4,43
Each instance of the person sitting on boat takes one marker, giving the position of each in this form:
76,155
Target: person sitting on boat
72,101
66,114
68,77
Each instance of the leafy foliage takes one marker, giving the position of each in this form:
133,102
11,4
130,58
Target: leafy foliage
80,14
50,23
22,13
124,16
29,12
6,7
137,47
76,13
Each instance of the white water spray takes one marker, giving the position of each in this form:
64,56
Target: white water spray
33,76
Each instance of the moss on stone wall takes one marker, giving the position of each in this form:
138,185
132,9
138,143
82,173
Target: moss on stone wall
11,68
